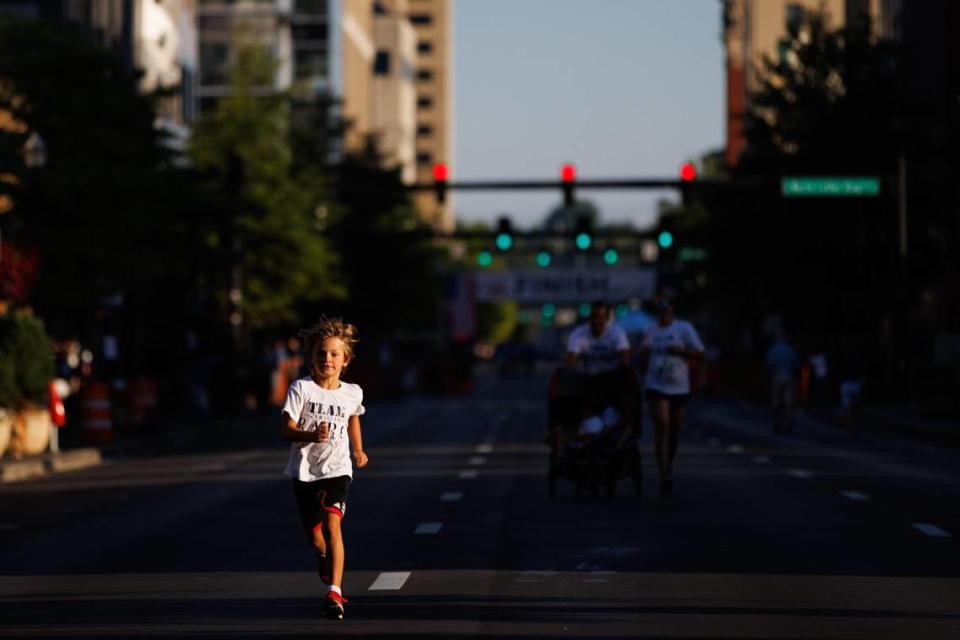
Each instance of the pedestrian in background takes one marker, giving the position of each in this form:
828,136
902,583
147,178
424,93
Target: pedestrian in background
667,346
321,419
783,364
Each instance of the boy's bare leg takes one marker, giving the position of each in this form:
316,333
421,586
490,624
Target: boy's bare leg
320,546
334,541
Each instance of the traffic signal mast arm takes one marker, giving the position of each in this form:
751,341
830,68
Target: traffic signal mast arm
604,183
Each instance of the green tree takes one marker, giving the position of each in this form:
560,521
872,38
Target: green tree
269,214
392,265
828,104
98,211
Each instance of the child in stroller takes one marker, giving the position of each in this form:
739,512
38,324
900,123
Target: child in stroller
593,430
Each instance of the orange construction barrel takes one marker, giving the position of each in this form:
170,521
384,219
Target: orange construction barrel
95,409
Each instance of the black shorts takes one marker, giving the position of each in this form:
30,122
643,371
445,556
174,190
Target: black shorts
315,499
676,400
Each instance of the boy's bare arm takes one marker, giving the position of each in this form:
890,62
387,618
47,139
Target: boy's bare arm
290,431
356,442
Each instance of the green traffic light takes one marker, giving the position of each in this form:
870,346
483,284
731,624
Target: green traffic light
583,241
484,259
548,310
584,309
665,239
544,258
622,310
610,256
504,241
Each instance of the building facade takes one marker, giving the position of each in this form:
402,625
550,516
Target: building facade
396,88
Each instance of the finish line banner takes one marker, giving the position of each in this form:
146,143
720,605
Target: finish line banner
565,285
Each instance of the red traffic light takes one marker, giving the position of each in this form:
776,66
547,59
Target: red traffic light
568,172
688,172
440,172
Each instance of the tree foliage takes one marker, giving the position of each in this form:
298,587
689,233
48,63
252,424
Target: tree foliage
268,213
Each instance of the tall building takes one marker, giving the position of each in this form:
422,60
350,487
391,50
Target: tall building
396,88
158,39
434,74
755,29
265,23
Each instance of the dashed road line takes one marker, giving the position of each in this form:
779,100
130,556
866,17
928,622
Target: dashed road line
389,581
931,530
476,461
856,496
428,528
762,459
485,448
800,473
735,448
451,496
469,474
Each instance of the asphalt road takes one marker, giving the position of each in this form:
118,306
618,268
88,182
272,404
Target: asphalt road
450,534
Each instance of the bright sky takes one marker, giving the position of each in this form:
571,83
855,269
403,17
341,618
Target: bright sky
621,88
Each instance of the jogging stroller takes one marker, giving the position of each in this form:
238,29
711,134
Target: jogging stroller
593,430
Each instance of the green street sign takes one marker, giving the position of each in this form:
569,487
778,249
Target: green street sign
830,187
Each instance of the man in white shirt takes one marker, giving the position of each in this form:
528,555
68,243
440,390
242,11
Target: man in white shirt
668,345
598,346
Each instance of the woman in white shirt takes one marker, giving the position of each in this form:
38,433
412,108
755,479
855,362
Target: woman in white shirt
668,345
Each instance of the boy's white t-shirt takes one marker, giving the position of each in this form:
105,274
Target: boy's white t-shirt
669,373
308,404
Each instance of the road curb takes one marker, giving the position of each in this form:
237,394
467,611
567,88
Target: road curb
50,463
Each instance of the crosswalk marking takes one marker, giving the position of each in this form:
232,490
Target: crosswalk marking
451,496
476,460
389,581
856,496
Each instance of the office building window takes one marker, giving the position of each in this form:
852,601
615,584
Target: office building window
424,102
424,46
424,130
424,75
381,63
425,159
421,19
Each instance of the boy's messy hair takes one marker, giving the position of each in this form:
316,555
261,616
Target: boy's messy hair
329,328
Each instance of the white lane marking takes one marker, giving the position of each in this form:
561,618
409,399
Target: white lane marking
735,448
467,475
856,496
389,581
451,496
762,459
485,448
800,473
476,460
931,530
428,528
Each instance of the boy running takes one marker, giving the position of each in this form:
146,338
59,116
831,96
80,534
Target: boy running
321,419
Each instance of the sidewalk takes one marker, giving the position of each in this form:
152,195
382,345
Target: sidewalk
48,463
184,435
